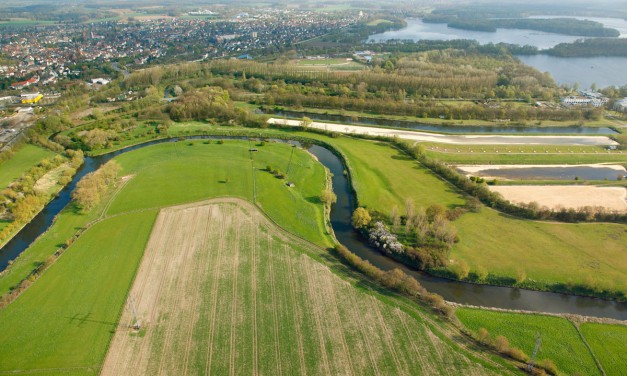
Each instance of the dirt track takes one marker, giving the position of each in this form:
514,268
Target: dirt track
221,290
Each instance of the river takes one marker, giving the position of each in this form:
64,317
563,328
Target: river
480,295
603,71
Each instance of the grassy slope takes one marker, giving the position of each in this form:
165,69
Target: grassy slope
609,343
384,177
25,158
78,299
175,173
560,341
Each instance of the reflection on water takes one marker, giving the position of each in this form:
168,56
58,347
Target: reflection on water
553,173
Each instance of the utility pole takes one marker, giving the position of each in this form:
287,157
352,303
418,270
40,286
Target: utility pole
135,324
287,173
535,352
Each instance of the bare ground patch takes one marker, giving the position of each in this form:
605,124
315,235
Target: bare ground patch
556,196
221,290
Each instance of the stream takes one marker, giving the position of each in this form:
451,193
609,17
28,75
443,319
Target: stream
454,291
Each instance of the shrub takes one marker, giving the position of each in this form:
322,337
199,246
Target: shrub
501,343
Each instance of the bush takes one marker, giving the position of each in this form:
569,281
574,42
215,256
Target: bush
548,365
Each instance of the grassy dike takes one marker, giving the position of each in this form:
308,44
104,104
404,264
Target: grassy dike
81,296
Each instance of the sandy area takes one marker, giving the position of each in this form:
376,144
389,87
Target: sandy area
454,139
50,179
478,168
558,196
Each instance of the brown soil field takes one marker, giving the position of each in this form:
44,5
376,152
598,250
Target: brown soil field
222,290
560,196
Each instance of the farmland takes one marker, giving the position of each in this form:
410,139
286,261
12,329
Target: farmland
94,275
222,290
77,302
608,343
560,341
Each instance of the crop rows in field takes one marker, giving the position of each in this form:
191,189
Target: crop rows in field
222,291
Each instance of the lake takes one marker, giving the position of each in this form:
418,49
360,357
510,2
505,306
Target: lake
603,71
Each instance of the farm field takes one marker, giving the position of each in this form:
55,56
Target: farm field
222,290
175,173
557,196
92,279
609,343
25,157
560,341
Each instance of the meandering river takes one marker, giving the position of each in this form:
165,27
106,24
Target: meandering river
460,292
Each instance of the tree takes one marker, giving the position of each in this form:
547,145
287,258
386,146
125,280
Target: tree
434,211
328,198
482,273
409,214
306,122
395,219
361,218
520,276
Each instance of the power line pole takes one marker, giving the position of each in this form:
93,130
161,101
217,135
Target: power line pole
135,321
535,352
287,173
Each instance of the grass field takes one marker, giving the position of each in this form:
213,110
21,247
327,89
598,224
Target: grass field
26,157
323,62
223,291
74,306
384,177
609,343
587,253
73,309
560,341
175,173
